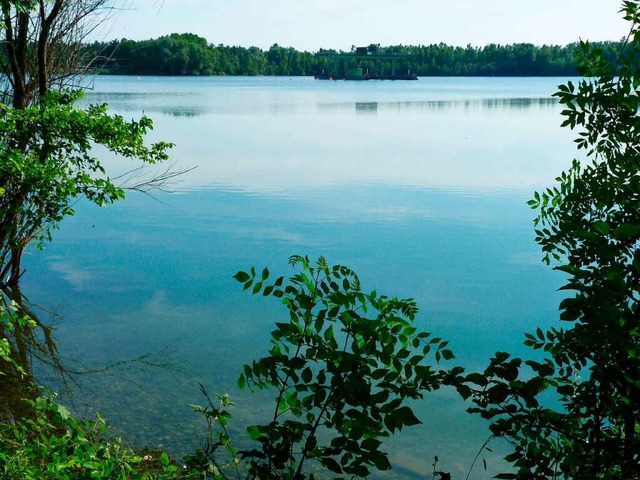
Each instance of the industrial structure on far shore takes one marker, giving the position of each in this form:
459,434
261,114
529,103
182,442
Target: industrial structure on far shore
365,63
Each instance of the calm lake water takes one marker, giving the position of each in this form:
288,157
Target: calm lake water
420,187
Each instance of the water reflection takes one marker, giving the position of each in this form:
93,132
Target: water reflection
367,107
33,349
192,104
420,188
498,104
187,112
30,341
116,97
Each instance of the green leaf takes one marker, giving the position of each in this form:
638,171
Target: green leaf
253,432
406,416
602,227
447,354
400,418
380,460
626,230
63,412
478,379
328,334
370,444
331,464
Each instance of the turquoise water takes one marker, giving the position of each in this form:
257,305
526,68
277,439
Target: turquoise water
420,187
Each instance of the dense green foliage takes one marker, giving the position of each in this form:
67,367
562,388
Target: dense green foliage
575,413
189,54
46,161
46,141
53,445
342,365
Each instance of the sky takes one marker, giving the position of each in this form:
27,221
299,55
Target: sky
313,24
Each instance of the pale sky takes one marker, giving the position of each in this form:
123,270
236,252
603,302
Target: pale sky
312,24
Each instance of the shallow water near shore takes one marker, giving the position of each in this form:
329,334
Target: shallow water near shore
420,187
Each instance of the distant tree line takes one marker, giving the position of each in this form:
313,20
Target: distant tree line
190,54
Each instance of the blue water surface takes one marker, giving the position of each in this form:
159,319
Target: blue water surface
420,187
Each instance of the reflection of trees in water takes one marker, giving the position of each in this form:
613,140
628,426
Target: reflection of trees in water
183,112
29,342
367,107
371,108
509,103
33,347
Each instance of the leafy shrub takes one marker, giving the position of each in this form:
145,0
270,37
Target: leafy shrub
575,414
342,365
54,445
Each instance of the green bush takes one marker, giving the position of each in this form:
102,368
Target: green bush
342,365
54,445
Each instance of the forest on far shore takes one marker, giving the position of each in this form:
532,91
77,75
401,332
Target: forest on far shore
190,54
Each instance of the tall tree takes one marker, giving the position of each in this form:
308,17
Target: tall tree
42,42
45,139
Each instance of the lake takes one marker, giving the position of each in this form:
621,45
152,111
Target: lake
420,187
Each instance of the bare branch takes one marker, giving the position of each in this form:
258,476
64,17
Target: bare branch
136,181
